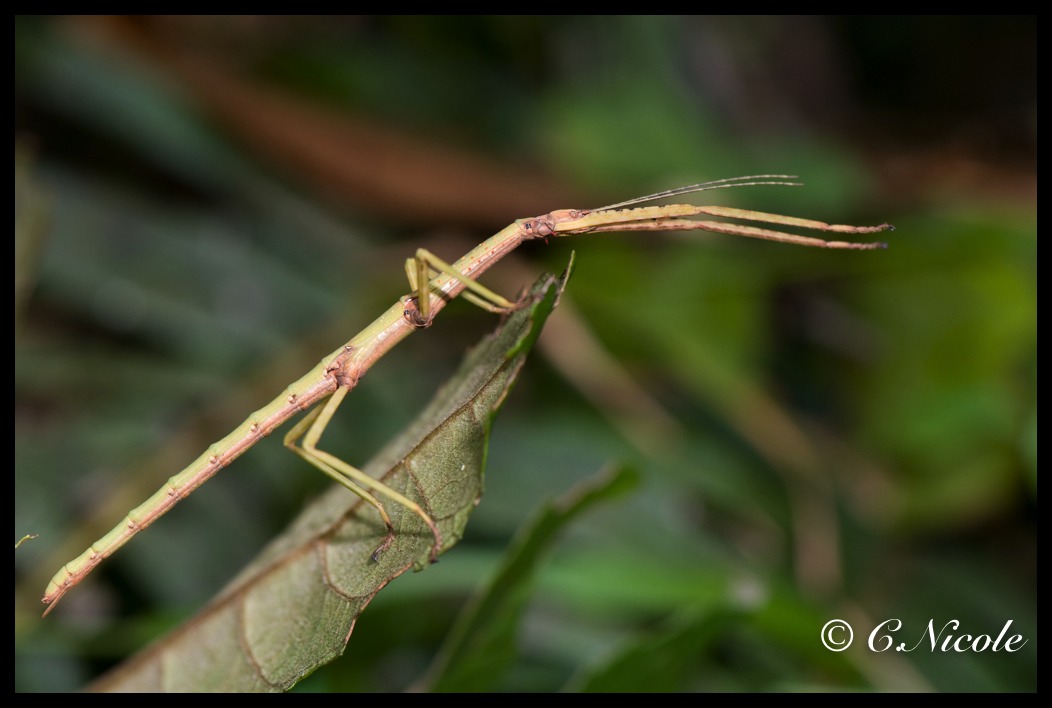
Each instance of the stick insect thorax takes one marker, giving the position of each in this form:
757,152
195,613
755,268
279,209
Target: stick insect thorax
434,284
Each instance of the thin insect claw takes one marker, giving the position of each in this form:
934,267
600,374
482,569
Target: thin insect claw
384,545
522,302
436,547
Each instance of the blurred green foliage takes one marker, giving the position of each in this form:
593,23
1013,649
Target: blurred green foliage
850,435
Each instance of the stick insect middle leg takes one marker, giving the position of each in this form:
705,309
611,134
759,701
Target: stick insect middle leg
425,265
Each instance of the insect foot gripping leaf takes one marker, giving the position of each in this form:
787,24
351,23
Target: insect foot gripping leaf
293,609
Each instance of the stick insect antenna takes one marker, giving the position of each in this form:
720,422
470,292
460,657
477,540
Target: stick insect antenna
747,181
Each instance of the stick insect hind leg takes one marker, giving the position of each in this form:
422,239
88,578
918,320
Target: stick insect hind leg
304,437
307,433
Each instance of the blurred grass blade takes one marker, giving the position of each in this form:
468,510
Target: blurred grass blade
294,608
723,645
661,662
481,645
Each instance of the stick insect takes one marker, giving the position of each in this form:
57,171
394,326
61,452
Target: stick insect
434,283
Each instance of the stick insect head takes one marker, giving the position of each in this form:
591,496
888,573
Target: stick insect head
536,227
561,222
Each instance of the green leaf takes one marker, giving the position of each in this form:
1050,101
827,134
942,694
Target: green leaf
293,609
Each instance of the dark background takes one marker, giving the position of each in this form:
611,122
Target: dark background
206,206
